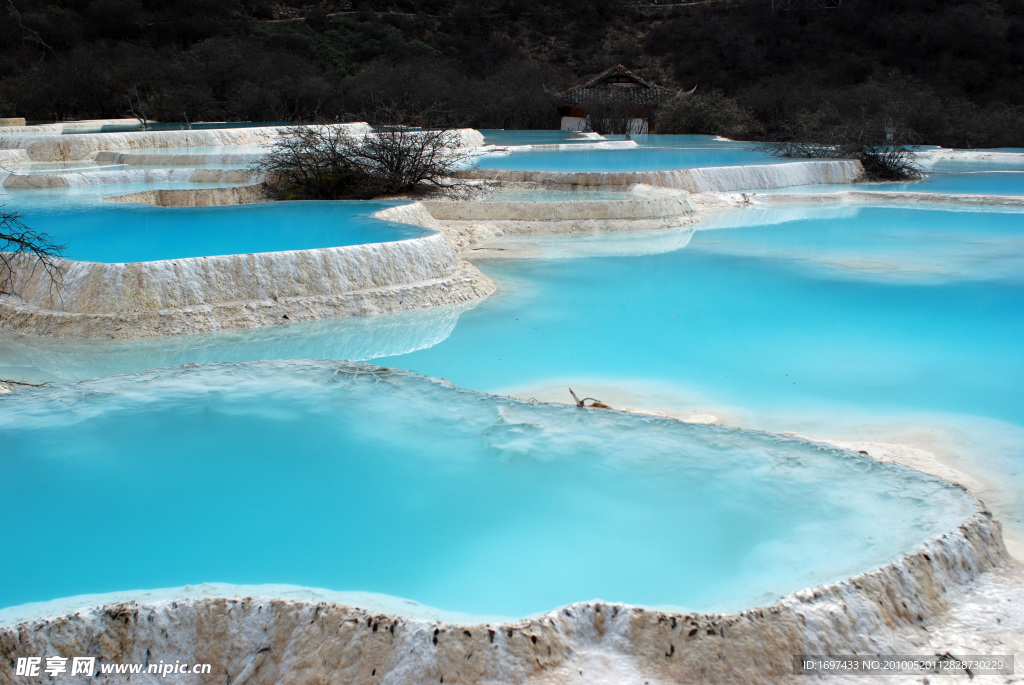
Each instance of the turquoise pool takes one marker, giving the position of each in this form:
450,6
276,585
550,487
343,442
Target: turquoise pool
281,473
881,321
120,232
970,182
814,317
500,136
653,153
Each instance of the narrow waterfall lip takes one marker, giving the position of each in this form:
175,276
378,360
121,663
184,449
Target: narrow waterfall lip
918,200
977,530
696,179
430,233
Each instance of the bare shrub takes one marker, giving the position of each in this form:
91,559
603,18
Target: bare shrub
884,150
328,163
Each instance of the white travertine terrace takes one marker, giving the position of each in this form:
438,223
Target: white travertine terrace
702,180
299,636
930,157
127,176
13,157
470,137
19,152
182,159
889,196
638,207
52,148
238,291
61,126
206,197
884,611
469,224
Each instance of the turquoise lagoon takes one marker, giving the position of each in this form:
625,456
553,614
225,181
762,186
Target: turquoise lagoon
653,153
873,320
499,136
101,231
353,478
769,318
1007,182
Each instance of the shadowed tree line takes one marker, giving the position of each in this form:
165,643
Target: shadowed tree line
951,70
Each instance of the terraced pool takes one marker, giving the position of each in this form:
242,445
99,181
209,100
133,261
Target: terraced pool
346,477
120,232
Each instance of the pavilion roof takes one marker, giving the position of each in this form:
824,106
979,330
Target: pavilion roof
618,85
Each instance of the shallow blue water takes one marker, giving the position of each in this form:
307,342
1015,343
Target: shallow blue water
280,473
890,311
972,182
121,232
654,153
883,311
500,136
880,307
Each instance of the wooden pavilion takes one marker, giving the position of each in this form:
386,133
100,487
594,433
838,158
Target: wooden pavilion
614,101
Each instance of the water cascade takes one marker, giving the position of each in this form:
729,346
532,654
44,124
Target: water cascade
701,180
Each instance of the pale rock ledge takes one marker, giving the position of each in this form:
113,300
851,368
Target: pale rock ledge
238,291
888,610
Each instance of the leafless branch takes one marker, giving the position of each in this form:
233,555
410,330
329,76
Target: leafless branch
135,107
884,150
327,162
18,239
27,33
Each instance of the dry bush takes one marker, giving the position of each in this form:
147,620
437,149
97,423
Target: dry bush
884,150
328,163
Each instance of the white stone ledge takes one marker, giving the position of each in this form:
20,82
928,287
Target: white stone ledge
317,637
102,176
205,197
895,197
635,208
177,159
238,291
52,148
700,180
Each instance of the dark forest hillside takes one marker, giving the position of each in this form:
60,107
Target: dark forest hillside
951,70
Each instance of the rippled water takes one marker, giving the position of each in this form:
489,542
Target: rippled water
358,480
